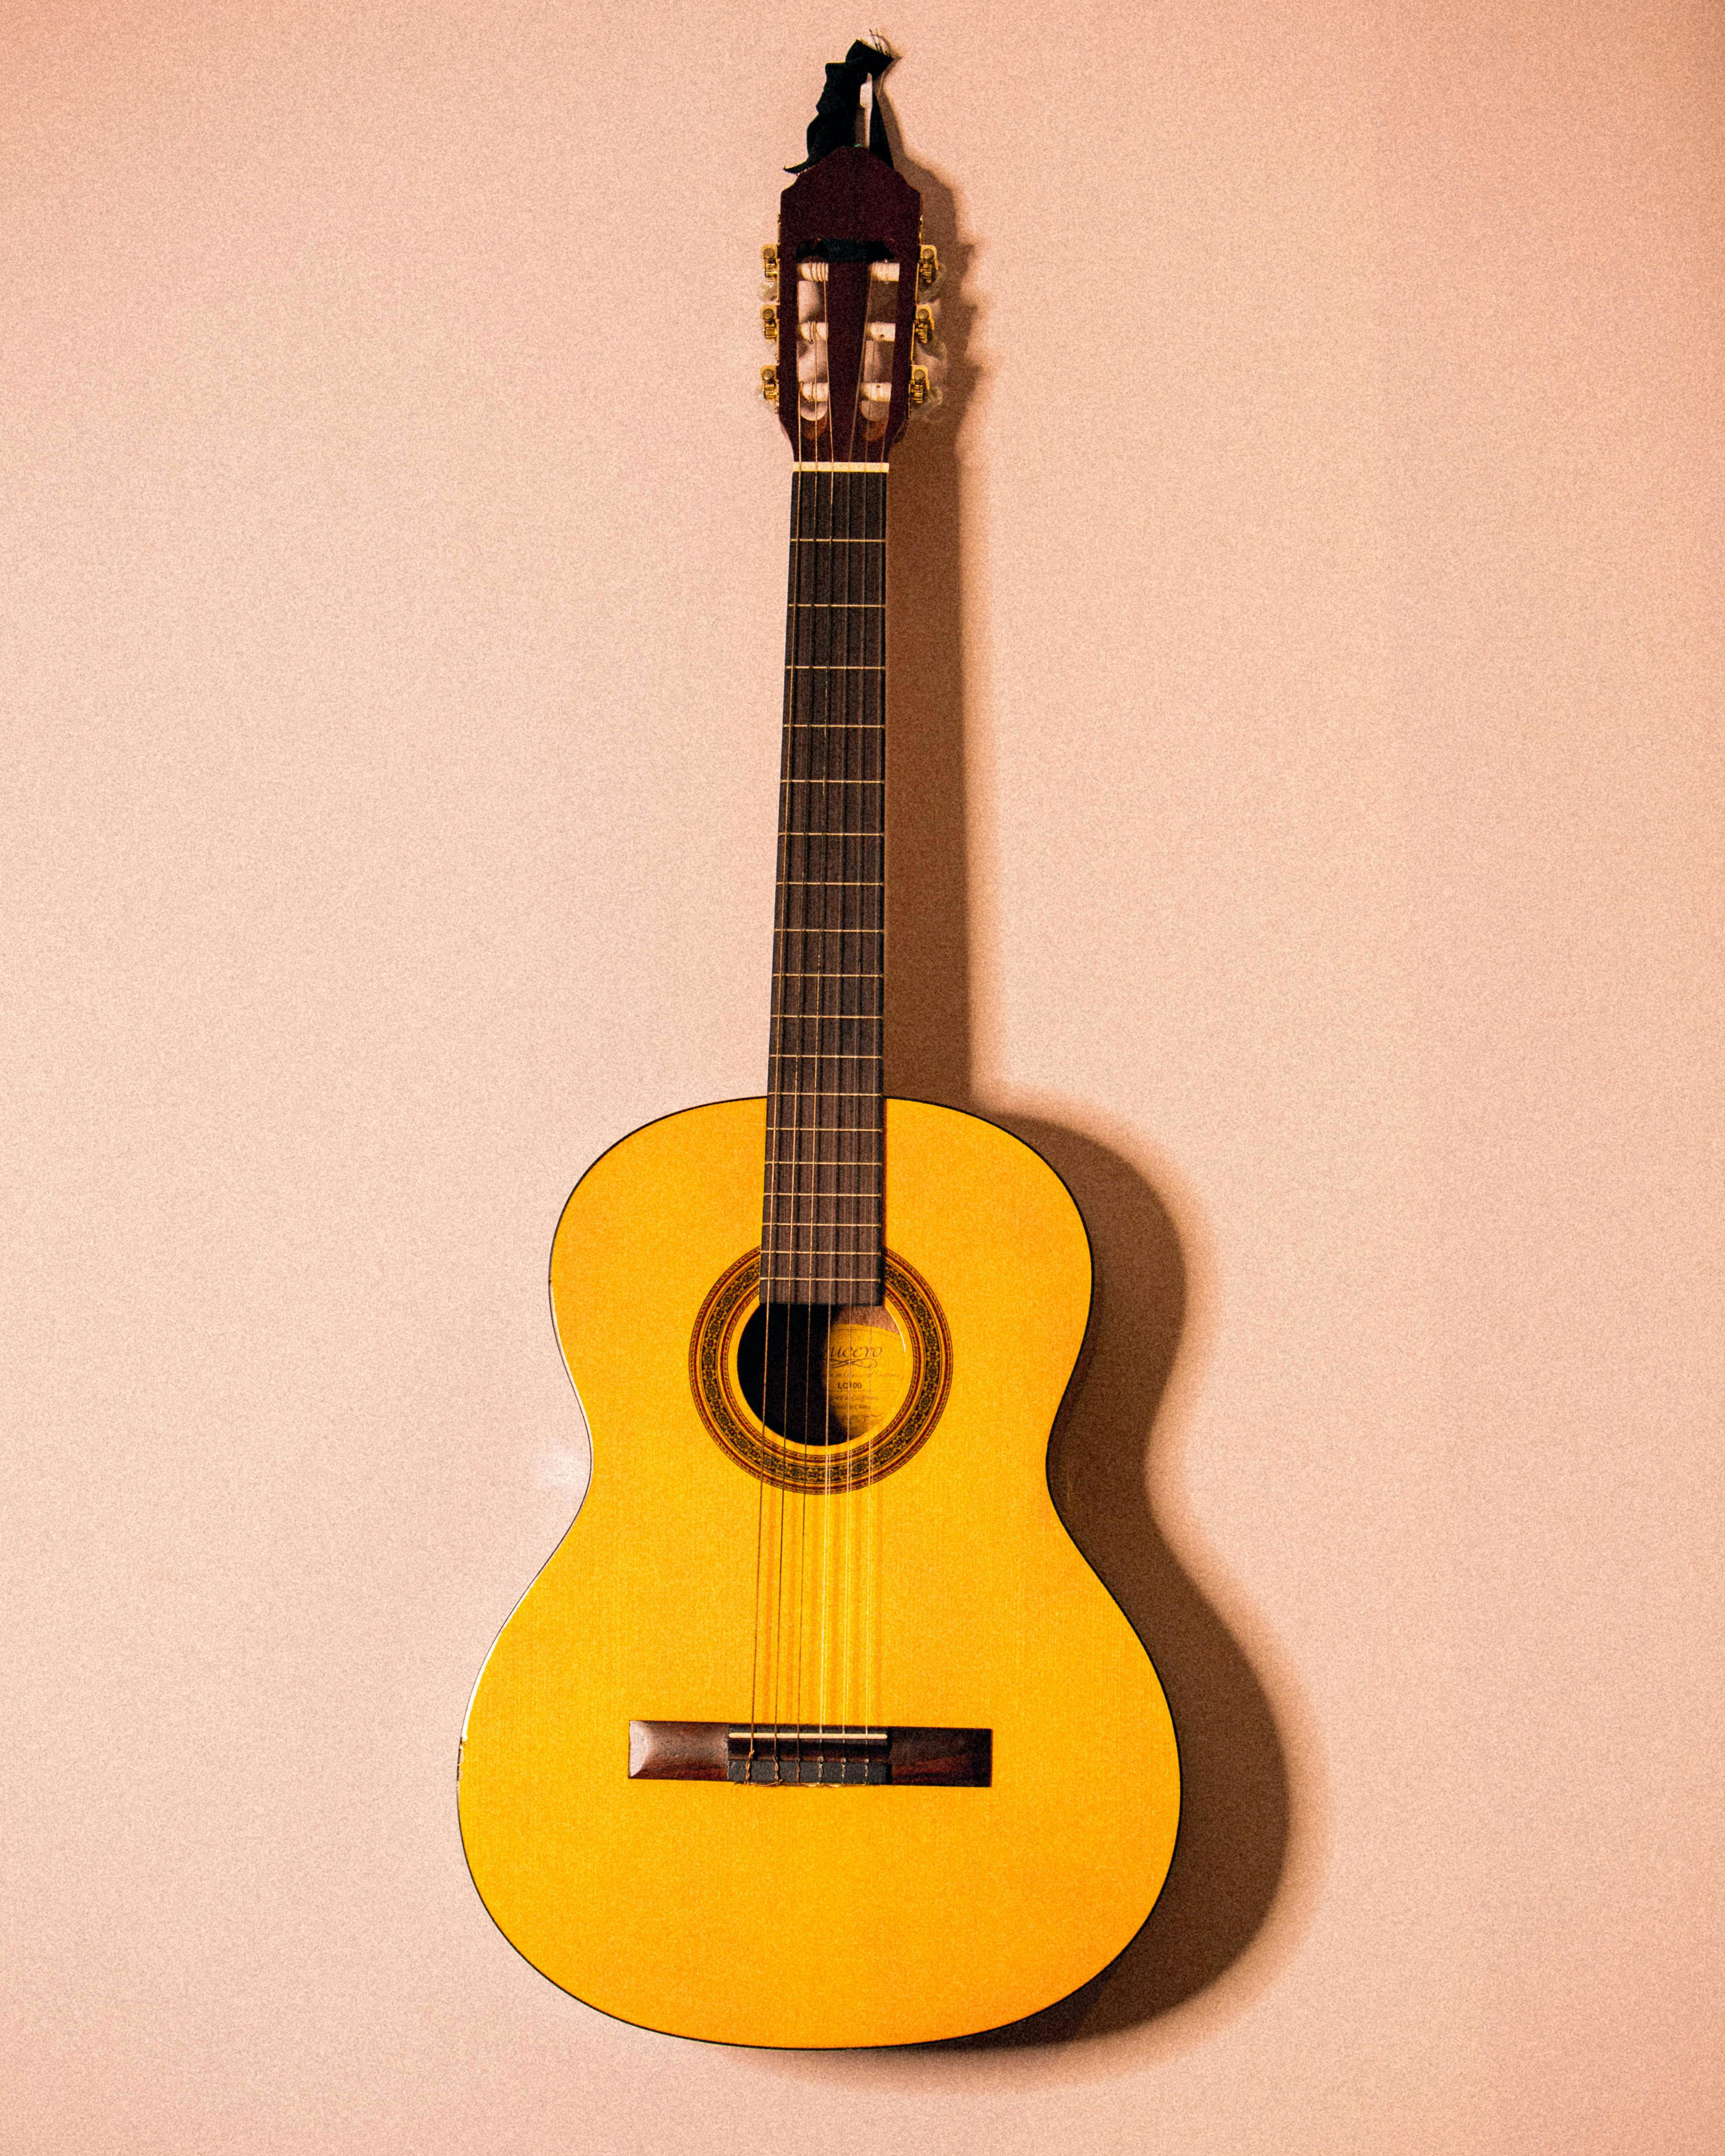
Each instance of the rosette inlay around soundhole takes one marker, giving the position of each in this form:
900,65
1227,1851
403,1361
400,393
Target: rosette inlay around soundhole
905,1371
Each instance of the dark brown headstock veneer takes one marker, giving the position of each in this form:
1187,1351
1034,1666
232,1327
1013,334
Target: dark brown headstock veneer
849,211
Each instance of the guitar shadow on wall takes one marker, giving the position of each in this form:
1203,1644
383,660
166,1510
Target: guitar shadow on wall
1232,1863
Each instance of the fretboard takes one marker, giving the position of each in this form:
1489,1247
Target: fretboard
821,1219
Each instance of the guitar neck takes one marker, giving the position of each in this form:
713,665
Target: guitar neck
821,1215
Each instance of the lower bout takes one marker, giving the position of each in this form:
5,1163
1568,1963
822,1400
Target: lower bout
822,1918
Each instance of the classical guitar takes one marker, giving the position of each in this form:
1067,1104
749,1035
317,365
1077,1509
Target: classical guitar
816,1729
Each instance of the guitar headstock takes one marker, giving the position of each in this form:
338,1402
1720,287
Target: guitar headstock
851,276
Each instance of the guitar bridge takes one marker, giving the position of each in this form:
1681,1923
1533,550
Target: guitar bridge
809,1755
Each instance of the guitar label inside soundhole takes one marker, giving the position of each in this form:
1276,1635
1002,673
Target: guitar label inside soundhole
813,1398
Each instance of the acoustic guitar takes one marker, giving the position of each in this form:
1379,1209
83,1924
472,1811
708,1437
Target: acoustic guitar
816,1730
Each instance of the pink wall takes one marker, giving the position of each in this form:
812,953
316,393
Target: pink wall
1309,659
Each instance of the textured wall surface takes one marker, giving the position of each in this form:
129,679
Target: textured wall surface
1306,804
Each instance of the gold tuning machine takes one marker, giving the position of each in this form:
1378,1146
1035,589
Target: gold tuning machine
769,384
769,323
769,259
919,385
922,328
928,267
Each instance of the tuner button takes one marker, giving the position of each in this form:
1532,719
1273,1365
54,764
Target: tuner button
928,266
922,328
919,385
769,384
769,324
769,259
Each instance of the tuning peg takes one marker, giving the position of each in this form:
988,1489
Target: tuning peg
922,327
920,388
769,324
769,384
928,267
769,259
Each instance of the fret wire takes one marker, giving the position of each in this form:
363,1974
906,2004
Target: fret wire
846,1209
816,1277
800,1253
856,1202
800,1200
821,1128
870,1189
817,1212
800,1111
868,1192
807,1207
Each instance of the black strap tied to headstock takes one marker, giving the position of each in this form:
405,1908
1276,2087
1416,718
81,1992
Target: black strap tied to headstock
833,126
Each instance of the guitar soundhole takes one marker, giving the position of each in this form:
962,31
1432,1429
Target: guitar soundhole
782,1371
819,1397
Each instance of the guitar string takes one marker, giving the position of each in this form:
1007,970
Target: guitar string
791,1651
856,1239
820,684
832,850
769,1248
870,940
814,945
849,1237
787,1263
838,620
872,1631
841,1145
830,1138
822,676
773,1270
866,1242
877,953
872,1616
823,1284
770,1212
824,1137
845,1146
853,938
781,1265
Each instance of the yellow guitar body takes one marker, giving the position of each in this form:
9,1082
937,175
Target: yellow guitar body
937,1591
